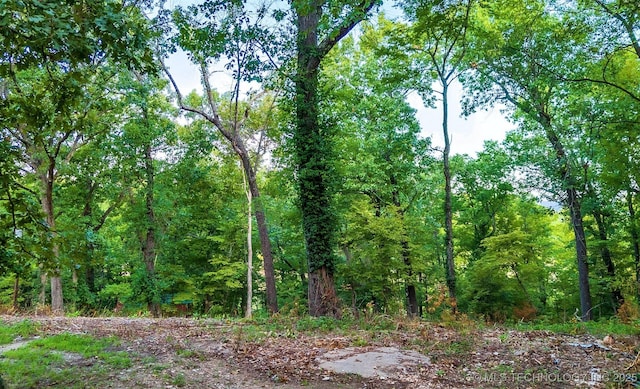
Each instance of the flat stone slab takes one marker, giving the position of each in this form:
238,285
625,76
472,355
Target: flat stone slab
381,362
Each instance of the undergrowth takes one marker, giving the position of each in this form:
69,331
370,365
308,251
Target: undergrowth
596,328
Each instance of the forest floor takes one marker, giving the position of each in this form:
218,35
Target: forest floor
208,353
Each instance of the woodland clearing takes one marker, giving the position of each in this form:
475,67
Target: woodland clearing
212,353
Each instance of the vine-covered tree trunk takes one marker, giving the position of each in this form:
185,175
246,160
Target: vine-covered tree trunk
312,153
313,150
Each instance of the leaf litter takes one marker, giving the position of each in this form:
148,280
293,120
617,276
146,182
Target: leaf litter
209,353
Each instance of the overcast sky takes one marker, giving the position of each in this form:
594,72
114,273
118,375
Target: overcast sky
467,134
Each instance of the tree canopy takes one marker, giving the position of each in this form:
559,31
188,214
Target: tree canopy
121,191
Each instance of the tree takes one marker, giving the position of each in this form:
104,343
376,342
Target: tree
311,145
148,127
51,53
439,34
381,158
241,40
516,65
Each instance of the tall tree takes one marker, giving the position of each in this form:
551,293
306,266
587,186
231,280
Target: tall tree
440,35
243,40
320,24
381,159
52,52
516,66
148,127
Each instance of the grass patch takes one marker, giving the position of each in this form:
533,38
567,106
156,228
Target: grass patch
65,360
595,328
23,329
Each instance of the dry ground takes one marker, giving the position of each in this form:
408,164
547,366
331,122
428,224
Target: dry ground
220,354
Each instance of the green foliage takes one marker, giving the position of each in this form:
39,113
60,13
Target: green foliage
35,33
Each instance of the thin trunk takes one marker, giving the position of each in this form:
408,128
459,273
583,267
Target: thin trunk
573,203
605,253
312,153
448,212
16,290
248,312
238,146
57,303
410,287
42,296
149,241
263,231
581,254
635,241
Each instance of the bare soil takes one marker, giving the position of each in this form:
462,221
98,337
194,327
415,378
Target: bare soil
209,353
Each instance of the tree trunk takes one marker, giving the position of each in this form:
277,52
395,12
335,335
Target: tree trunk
263,231
42,296
581,253
16,290
57,302
312,151
448,212
410,287
248,311
323,300
605,253
149,241
565,176
635,241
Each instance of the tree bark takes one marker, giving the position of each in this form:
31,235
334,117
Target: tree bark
238,147
573,203
448,212
410,287
635,241
149,241
312,154
605,253
313,151
57,302
248,311
16,290
581,253
263,231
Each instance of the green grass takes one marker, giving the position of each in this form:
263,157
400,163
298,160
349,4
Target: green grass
596,328
23,329
64,361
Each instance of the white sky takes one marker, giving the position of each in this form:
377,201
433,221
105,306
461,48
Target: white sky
467,135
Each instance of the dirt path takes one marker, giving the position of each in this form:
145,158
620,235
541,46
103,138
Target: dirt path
217,354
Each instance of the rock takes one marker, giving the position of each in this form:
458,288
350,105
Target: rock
608,340
381,362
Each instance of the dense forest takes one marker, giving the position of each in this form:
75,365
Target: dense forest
297,178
